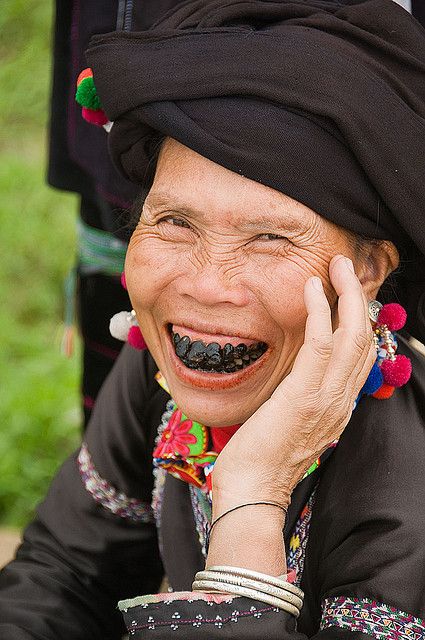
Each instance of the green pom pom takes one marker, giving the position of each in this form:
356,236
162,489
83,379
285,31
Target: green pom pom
86,95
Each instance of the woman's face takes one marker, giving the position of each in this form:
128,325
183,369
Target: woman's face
221,260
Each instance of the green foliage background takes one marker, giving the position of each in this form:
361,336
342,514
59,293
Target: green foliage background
39,388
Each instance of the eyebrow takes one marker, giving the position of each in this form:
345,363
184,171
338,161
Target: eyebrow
263,220
161,199
288,223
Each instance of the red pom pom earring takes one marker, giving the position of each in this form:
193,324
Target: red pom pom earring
396,369
124,326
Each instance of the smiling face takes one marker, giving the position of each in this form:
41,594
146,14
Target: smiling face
223,260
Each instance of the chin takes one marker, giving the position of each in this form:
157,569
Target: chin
213,410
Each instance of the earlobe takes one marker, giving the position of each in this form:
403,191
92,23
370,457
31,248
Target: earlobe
378,259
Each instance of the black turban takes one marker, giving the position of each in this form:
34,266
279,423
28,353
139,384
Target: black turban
323,101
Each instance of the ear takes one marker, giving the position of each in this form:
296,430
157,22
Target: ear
375,261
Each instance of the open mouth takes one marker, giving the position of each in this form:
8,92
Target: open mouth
211,356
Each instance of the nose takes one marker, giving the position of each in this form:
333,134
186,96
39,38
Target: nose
210,286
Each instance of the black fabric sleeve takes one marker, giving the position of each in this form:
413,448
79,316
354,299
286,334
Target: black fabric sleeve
366,553
237,618
79,557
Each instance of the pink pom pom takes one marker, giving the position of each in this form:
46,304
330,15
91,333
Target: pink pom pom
94,116
123,281
393,315
396,373
135,338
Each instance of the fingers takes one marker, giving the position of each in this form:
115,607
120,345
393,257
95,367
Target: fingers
312,361
338,362
353,348
334,364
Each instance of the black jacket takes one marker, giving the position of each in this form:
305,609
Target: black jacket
365,551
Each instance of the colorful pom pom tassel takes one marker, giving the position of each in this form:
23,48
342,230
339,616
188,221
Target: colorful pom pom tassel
86,95
123,326
374,381
94,116
384,392
85,73
396,372
393,315
87,98
119,325
135,338
395,369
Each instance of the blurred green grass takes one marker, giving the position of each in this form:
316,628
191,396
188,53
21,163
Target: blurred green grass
39,388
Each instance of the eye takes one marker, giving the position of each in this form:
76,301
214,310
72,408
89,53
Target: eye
270,236
177,222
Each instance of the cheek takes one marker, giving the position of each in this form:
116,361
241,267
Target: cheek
280,291
149,267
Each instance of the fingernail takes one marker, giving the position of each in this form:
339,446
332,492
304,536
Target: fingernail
317,283
349,264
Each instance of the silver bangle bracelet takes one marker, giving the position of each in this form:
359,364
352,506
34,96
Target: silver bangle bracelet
222,587
249,583
277,581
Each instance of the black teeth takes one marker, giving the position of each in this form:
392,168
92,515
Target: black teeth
241,349
182,346
197,353
215,359
228,352
213,349
212,357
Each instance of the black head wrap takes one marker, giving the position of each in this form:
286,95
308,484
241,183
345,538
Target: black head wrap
321,100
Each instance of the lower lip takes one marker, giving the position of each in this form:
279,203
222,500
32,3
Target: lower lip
209,379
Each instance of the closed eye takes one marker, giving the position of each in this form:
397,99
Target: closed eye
270,236
177,222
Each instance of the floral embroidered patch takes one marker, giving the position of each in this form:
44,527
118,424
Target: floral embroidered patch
372,618
109,497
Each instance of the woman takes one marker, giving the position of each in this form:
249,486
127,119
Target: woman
285,193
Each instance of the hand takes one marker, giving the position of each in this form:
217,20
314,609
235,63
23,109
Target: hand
310,408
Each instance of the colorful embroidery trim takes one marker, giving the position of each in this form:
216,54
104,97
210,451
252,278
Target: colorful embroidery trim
181,615
299,539
202,513
372,618
107,496
177,597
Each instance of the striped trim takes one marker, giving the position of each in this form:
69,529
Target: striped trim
373,618
107,496
99,251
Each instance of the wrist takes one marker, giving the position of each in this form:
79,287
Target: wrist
218,515
241,491
250,537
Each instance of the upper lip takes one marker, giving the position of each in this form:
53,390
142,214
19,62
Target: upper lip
212,330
